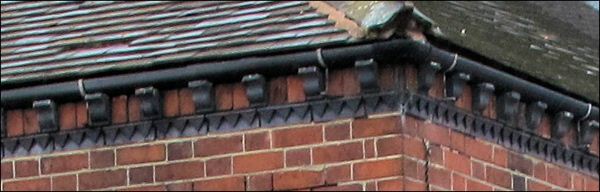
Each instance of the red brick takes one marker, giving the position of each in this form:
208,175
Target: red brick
414,147
389,146
336,132
297,136
465,101
224,96
337,153
82,115
337,174
179,171
64,163
390,185
498,177
458,182
119,109
377,169
257,141
545,126
221,184
490,111
146,188
595,144
67,116
278,90
133,109
297,157
217,145
410,73
478,170
220,166
26,168
375,127
439,177
369,146
240,100
262,182
457,141
414,169
436,154
102,159
141,175
536,186
569,140
473,185
297,179
436,134
520,163
180,150
371,186
102,179
335,83
6,169
387,77
412,127
257,162
559,177
14,123
578,182
295,89
410,185
539,171
141,154
64,183
354,187
180,187
478,149
42,184
31,124
457,162
171,103
351,84
186,102
591,184
500,157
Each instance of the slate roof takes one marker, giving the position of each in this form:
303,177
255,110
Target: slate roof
57,39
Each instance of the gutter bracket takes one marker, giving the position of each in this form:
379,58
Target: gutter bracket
562,121
367,75
482,95
47,115
534,114
203,95
150,106
99,108
313,82
456,84
586,133
426,76
256,89
508,106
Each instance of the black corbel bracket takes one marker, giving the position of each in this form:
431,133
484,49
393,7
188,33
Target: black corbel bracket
150,106
2,124
534,114
482,94
203,95
426,76
367,75
256,89
99,109
508,107
313,82
456,84
47,115
562,122
587,131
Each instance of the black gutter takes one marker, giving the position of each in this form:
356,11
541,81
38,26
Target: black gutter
232,71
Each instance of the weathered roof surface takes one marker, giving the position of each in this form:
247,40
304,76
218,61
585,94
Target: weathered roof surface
56,39
556,42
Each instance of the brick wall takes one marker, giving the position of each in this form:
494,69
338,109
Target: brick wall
391,151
